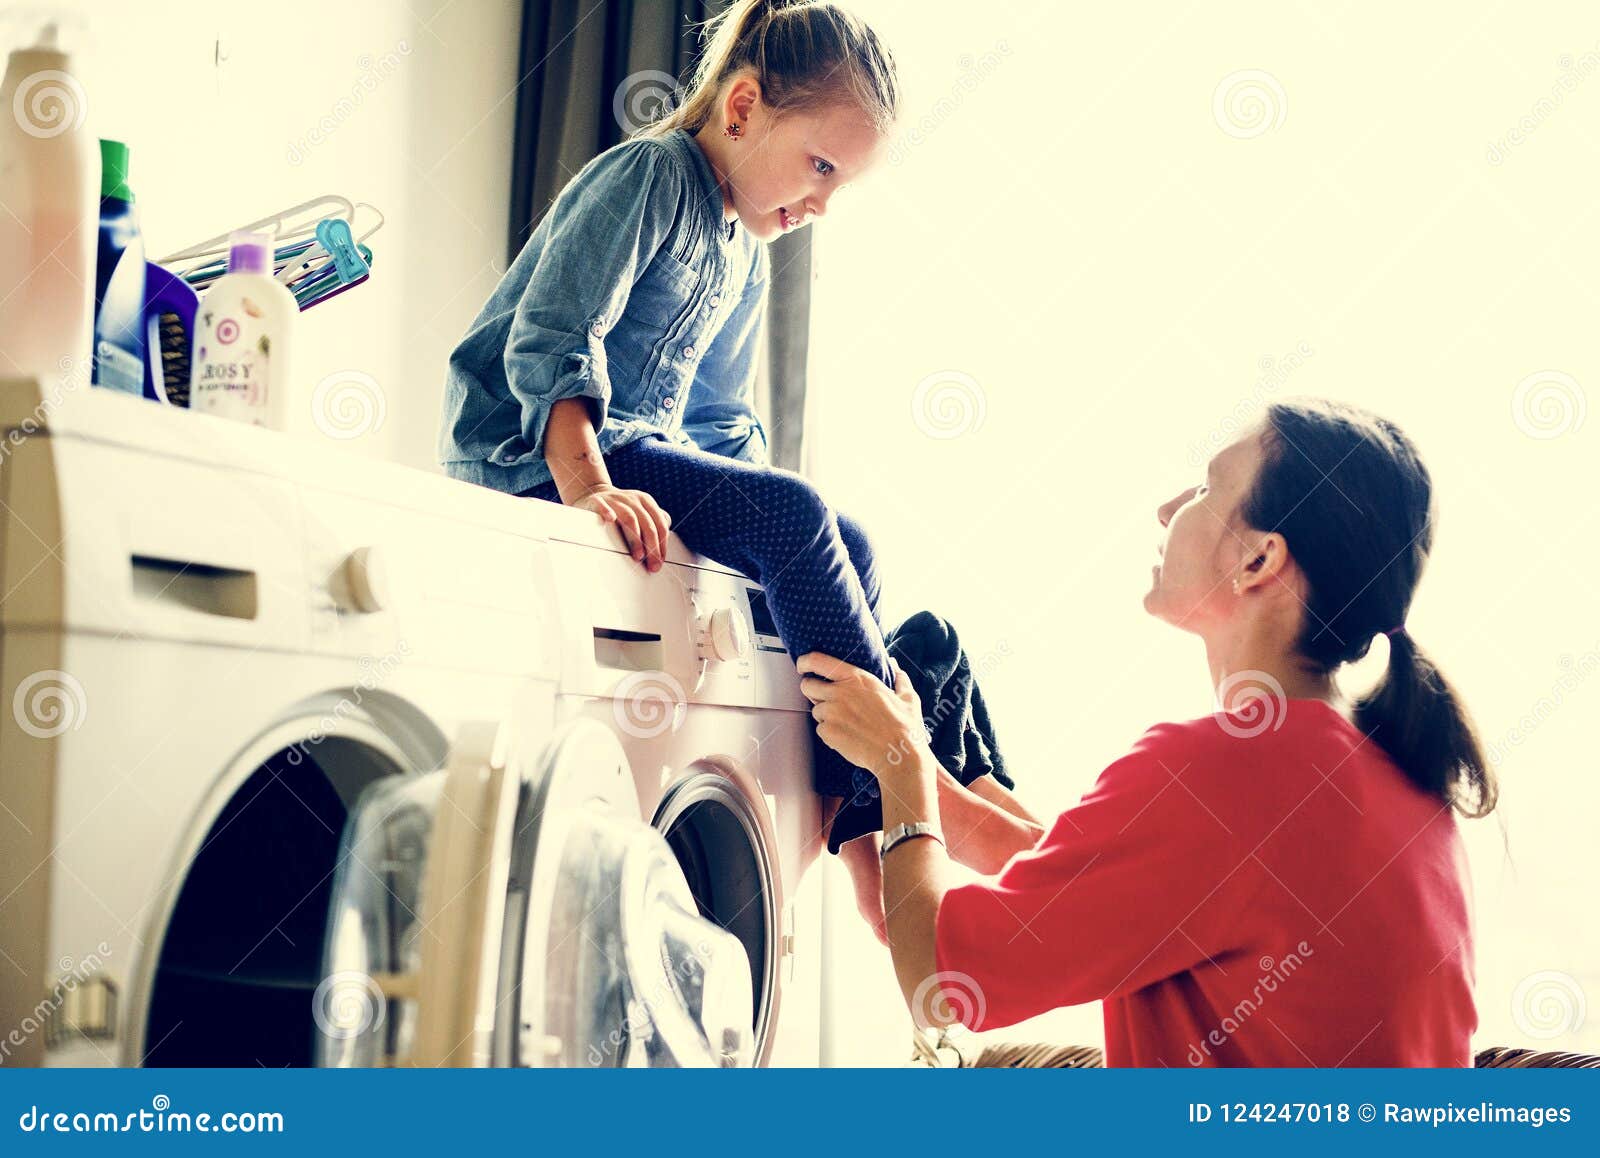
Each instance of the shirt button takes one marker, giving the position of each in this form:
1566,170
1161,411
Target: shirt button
688,351
669,402
716,300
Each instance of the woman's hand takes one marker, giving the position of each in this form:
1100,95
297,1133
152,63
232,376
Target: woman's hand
643,523
861,719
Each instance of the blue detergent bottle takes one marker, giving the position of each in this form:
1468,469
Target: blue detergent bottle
119,329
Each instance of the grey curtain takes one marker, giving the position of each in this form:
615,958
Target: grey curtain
576,57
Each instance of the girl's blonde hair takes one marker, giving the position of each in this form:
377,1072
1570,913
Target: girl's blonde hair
805,55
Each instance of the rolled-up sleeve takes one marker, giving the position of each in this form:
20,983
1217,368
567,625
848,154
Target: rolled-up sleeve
605,228
721,416
1134,884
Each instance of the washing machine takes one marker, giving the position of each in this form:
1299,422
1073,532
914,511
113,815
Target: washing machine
302,762
685,668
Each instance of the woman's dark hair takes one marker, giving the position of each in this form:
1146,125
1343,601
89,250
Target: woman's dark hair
1348,492
804,55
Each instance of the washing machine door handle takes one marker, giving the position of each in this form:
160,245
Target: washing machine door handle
464,880
541,918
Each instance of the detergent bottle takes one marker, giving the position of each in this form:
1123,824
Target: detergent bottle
49,174
242,339
119,330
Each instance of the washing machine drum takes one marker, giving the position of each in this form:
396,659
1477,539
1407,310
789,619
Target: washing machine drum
520,912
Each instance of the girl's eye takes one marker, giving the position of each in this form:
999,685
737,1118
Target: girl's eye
822,167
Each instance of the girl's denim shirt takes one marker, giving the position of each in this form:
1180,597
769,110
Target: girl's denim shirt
633,292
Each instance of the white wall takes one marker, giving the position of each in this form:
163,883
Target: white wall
237,110
1095,271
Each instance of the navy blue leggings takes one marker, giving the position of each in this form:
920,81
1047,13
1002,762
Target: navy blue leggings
770,524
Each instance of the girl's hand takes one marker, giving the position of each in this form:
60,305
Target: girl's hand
643,523
866,723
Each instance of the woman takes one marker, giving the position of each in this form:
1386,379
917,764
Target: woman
1279,883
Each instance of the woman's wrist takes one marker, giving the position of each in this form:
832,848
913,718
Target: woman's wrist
911,792
907,758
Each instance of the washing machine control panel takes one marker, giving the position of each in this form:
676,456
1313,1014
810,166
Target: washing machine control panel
360,584
723,635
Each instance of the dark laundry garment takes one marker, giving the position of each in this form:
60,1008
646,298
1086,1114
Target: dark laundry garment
953,712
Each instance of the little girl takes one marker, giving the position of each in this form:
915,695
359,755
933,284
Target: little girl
613,369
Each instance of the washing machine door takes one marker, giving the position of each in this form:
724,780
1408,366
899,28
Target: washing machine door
512,911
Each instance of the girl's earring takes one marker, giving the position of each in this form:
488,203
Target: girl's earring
733,130
1236,587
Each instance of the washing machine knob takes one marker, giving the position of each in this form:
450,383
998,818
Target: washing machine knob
361,583
727,635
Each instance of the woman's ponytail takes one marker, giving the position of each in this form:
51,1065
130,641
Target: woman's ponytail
804,54
1415,716
1350,495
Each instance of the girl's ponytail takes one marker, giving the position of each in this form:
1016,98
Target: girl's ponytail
1415,715
804,53
1350,495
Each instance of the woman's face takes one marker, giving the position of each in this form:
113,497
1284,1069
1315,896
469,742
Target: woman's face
1206,545
783,170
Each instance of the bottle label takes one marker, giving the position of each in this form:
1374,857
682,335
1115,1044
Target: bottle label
233,362
116,369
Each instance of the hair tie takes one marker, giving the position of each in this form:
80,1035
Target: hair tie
1398,629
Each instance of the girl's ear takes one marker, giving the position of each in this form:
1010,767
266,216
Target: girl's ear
743,95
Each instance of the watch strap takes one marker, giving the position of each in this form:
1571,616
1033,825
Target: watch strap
901,833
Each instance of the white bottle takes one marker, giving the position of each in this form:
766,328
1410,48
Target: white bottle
50,187
242,339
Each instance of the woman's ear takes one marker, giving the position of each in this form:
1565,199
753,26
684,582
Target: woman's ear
1263,560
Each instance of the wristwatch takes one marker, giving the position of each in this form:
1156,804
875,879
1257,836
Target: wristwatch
904,832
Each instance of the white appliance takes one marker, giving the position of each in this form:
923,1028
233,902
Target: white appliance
314,759
685,667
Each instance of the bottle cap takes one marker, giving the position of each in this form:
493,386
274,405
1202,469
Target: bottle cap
114,170
249,252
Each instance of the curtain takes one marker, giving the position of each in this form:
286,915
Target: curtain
577,57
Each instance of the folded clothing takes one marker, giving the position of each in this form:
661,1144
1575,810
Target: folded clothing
959,729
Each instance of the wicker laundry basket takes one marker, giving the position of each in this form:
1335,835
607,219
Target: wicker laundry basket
965,1051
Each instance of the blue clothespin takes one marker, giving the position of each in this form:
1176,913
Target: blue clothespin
334,235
